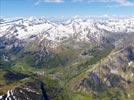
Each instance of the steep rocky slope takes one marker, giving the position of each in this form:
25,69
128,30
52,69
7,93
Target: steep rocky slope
30,90
116,71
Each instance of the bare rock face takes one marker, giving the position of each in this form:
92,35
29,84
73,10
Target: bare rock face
28,91
130,53
93,82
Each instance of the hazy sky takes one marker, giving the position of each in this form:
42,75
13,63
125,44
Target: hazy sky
67,8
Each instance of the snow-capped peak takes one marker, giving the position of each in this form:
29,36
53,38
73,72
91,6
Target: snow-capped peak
83,28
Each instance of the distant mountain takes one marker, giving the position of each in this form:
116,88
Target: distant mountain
80,27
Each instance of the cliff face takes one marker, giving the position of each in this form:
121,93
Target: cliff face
28,91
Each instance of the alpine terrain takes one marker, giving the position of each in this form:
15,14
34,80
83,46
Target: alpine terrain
81,58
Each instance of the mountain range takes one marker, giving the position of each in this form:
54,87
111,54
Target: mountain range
81,58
